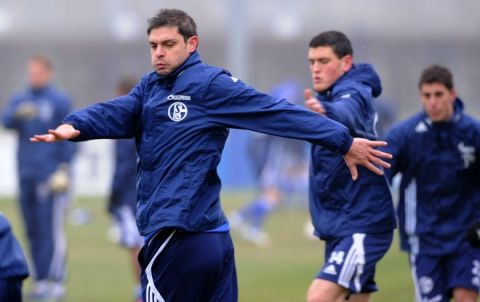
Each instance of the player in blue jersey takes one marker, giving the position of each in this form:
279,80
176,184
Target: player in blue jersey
44,177
13,265
437,152
355,218
122,204
282,175
180,115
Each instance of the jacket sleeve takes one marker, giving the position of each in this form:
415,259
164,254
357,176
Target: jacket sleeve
396,141
233,104
8,118
352,109
116,118
13,263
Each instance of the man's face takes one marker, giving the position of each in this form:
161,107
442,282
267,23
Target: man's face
326,67
38,74
168,49
437,101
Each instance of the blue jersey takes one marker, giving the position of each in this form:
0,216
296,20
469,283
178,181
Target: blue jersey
12,260
286,163
123,191
38,161
180,123
340,206
440,186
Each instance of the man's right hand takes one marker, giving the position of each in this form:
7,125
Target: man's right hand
362,152
62,132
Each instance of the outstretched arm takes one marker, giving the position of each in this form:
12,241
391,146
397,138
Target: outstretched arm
362,153
62,132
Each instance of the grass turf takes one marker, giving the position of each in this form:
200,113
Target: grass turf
100,270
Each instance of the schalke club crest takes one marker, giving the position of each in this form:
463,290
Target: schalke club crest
177,111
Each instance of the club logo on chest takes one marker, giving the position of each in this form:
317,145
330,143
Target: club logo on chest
177,111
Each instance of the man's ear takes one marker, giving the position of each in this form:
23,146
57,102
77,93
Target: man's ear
192,43
347,62
453,93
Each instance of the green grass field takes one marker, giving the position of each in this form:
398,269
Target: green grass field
100,271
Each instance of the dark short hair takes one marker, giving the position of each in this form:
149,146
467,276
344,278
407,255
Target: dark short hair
436,74
175,18
338,41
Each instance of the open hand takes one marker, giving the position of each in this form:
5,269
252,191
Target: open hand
362,153
62,132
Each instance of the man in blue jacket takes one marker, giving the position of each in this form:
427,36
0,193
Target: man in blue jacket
355,218
13,265
437,152
43,173
180,115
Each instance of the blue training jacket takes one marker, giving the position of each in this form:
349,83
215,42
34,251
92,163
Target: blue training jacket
340,206
180,123
38,161
12,260
440,185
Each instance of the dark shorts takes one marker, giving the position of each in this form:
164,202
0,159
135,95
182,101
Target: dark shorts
435,277
180,266
11,289
351,261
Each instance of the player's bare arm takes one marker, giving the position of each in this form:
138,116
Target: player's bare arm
363,152
62,132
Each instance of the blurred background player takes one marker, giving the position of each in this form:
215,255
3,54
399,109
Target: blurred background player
43,171
123,196
386,116
281,169
437,152
13,265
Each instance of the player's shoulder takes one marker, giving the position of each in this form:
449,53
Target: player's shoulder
60,94
469,125
206,73
413,120
415,123
470,120
21,95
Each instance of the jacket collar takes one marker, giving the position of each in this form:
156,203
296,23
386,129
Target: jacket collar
169,79
39,90
361,73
